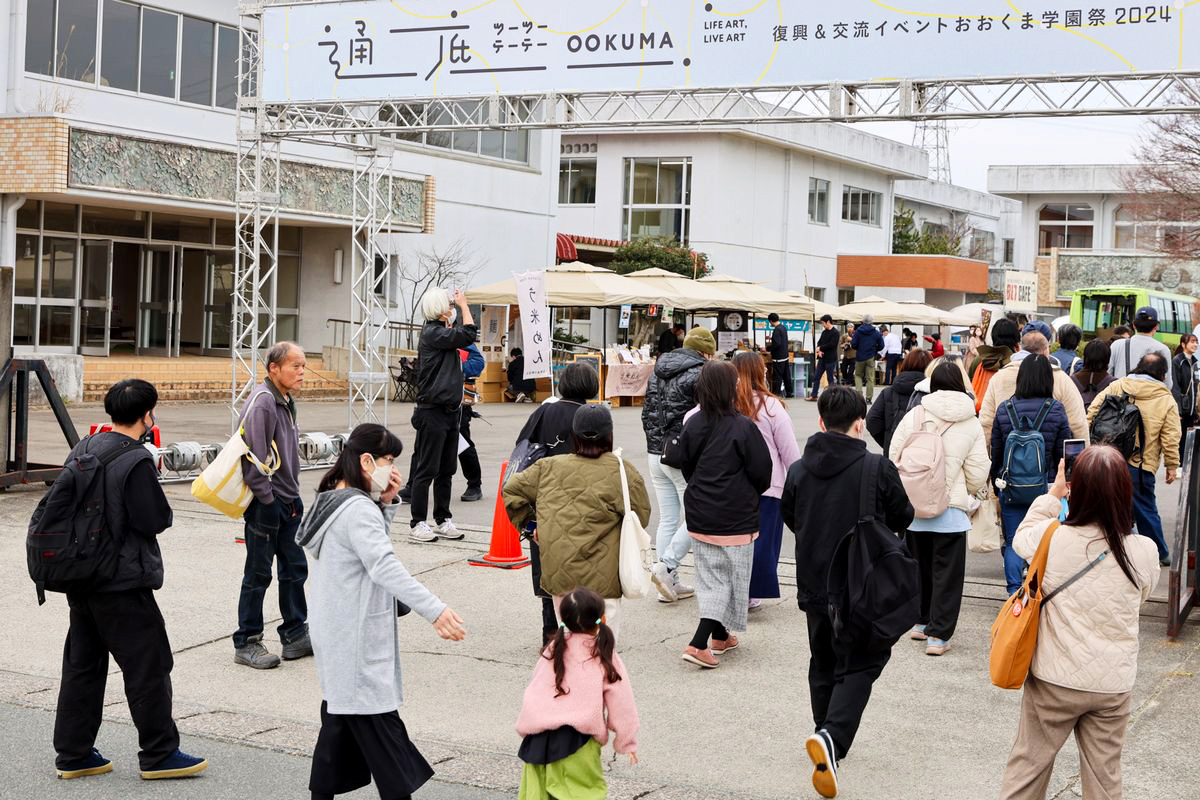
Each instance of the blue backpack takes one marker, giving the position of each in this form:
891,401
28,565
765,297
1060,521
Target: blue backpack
1025,457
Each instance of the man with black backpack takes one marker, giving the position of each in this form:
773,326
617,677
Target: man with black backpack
1145,438
93,537
848,509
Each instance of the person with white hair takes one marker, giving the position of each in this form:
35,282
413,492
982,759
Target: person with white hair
439,406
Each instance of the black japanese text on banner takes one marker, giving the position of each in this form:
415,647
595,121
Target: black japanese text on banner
377,49
535,322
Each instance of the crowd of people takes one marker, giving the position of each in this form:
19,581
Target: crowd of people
726,474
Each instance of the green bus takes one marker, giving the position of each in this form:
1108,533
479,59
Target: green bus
1099,309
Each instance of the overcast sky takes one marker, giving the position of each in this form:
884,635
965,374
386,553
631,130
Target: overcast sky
977,144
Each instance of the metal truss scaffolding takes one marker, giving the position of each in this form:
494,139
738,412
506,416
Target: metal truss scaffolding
367,128
370,283
257,197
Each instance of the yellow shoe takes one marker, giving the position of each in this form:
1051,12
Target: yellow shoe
177,765
821,751
94,764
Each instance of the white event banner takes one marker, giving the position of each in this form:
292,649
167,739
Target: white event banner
397,49
535,322
1020,291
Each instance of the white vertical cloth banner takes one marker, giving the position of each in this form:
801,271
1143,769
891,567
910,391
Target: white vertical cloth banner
492,332
535,322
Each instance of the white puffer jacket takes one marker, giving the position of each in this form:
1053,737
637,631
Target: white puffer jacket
1088,635
967,462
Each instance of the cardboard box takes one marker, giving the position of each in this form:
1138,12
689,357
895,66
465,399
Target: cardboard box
493,372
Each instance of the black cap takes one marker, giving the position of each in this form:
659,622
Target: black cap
1146,314
826,318
592,422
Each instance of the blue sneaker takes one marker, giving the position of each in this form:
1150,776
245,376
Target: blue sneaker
177,765
94,764
936,647
917,634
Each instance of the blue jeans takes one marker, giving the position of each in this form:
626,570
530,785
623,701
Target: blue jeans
893,363
266,543
1011,516
827,368
764,575
672,541
1145,509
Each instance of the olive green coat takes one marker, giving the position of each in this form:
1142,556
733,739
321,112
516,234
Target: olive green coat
579,510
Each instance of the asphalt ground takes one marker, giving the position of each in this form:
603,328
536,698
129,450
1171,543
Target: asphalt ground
934,728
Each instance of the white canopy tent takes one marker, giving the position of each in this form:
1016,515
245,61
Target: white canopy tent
576,284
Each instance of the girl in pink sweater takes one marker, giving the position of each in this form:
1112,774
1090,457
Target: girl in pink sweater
579,692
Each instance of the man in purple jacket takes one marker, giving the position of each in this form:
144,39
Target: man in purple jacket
273,516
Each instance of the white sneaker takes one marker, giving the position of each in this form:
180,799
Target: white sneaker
682,590
446,530
664,581
421,533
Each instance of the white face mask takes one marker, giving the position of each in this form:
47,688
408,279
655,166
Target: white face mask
453,316
380,477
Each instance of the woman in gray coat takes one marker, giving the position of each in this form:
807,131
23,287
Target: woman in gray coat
357,587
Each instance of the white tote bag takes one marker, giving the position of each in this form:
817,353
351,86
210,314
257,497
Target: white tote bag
221,485
634,556
985,535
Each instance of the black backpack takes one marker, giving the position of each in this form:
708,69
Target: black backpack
874,583
70,546
1119,423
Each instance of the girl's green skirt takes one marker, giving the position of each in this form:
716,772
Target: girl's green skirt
576,777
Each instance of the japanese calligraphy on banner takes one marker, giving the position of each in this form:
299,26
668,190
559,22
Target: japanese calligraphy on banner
1020,291
375,49
535,322
491,332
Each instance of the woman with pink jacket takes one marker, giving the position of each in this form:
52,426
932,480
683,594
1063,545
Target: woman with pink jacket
756,403
580,691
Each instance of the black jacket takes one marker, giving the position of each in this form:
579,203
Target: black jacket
821,498
670,394
517,382
550,425
779,343
828,345
886,413
439,366
137,511
728,467
1183,387
668,341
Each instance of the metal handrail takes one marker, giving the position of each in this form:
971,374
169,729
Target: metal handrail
401,335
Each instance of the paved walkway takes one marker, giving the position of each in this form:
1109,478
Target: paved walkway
935,727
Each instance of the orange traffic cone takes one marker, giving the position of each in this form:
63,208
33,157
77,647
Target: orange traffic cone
505,551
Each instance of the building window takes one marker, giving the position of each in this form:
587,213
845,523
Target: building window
861,205
119,68
196,62
497,144
577,182
818,201
815,293
1009,250
75,44
845,296
141,49
1065,225
983,245
1133,232
657,198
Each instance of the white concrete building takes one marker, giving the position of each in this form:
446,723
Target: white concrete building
989,224
772,203
1079,227
117,176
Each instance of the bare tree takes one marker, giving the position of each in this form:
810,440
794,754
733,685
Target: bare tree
1166,181
454,267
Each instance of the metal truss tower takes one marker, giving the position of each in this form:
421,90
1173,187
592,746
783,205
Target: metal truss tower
362,126
933,136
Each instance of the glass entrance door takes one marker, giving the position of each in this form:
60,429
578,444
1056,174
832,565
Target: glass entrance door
159,290
218,301
95,301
